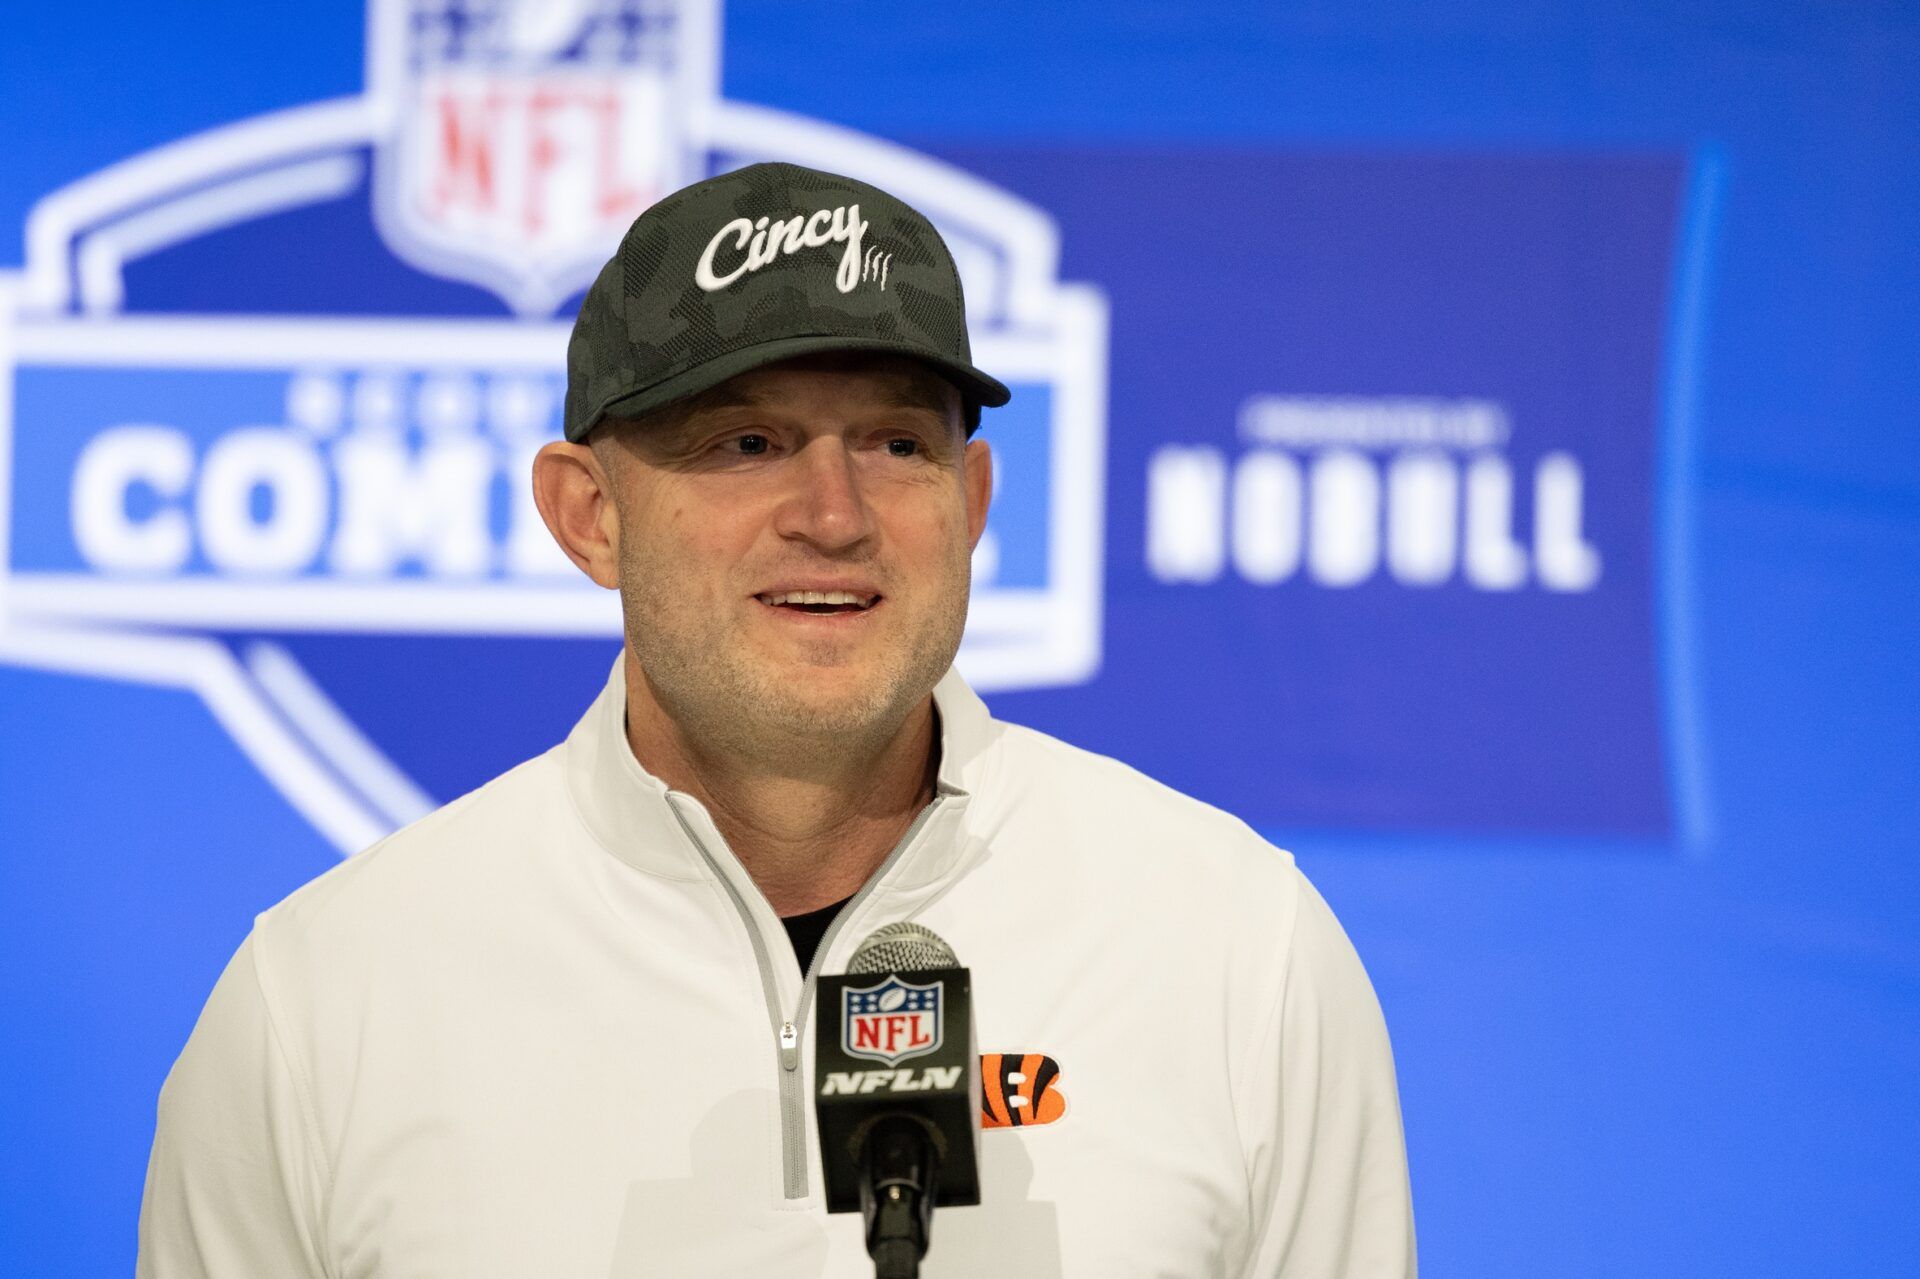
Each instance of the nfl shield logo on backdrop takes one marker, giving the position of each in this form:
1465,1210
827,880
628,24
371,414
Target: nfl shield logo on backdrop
528,135
892,1021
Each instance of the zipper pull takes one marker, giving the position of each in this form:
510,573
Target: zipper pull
789,1046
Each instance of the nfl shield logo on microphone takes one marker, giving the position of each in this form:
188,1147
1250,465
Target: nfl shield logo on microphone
891,1022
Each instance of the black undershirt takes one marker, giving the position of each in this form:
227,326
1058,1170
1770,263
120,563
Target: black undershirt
805,931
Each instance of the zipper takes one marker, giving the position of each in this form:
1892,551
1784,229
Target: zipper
808,985
787,1030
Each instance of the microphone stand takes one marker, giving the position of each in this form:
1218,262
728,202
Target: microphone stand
899,1171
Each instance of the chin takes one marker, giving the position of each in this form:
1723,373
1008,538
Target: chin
837,698
844,696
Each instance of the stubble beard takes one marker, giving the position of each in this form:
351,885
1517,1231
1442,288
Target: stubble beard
739,705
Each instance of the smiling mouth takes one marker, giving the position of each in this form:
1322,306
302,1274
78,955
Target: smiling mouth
821,603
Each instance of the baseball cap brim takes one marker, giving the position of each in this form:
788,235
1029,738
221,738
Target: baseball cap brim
974,386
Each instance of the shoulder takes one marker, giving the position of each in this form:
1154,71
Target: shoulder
1127,827
458,862
1033,771
1102,868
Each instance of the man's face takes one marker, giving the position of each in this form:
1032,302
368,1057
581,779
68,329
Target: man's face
794,552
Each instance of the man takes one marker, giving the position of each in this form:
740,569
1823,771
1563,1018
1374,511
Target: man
559,1027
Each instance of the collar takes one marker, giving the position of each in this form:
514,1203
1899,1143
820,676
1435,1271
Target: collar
630,812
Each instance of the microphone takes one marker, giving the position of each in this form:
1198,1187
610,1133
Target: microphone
897,1091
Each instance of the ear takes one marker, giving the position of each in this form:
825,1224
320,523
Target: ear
575,497
977,465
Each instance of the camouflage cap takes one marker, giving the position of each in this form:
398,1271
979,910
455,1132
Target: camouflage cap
764,264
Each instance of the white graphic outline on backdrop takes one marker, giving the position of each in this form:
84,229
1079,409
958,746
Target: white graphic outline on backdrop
64,308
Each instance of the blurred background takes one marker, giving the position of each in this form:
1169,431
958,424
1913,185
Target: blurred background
1472,441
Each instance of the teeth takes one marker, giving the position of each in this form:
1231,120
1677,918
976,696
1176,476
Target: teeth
817,597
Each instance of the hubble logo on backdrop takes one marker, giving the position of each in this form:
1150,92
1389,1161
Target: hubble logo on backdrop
201,486
1341,491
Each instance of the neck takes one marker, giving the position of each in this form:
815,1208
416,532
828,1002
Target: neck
809,834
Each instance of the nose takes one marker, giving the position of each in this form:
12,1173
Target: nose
826,505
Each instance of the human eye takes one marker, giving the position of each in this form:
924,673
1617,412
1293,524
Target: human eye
748,444
912,440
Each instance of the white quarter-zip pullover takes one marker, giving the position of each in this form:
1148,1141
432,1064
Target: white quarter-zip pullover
554,1030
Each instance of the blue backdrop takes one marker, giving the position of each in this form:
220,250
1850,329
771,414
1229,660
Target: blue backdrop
1473,441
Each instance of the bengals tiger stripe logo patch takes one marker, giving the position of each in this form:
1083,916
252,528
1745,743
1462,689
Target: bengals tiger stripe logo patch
1019,1090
